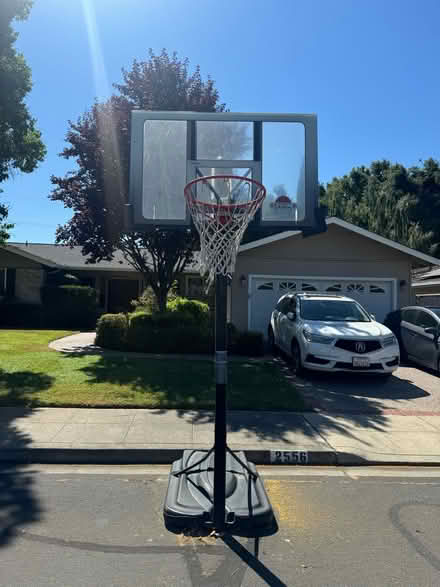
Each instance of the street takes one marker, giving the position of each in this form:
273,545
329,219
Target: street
102,525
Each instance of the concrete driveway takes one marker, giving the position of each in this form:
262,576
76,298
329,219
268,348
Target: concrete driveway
409,391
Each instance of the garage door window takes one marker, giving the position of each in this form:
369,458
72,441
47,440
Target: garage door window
335,288
376,289
266,286
286,286
355,288
308,287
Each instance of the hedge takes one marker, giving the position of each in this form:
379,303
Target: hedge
69,306
19,315
172,332
248,343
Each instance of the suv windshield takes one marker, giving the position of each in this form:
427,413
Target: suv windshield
333,311
436,311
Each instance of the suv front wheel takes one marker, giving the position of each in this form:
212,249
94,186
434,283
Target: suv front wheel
295,358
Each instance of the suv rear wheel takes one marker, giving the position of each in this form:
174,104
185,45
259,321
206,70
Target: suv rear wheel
271,337
295,360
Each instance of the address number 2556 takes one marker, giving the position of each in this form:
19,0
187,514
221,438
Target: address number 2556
289,457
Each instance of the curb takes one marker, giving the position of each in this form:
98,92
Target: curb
136,456
166,456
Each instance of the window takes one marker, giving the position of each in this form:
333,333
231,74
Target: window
3,281
376,289
195,287
425,320
355,288
410,316
286,286
335,288
308,287
332,310
266,286
89,281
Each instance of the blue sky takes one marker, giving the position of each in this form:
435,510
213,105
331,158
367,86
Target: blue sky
369,69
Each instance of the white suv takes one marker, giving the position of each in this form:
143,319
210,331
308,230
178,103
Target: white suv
332,333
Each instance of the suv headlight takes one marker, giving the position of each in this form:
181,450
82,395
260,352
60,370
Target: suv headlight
389,340
318,338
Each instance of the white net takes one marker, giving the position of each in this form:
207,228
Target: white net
221,208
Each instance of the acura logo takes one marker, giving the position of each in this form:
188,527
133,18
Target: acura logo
360,347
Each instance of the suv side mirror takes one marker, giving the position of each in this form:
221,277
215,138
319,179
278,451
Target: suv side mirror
373,317
291,316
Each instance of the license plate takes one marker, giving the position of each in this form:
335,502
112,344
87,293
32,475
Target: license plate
289,457
362,362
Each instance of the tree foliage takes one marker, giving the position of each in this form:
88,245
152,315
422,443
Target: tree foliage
97,191
393,201
21,147
20,142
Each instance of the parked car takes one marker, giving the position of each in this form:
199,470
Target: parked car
419,333
331,333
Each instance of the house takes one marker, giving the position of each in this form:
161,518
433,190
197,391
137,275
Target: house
426,288
344,260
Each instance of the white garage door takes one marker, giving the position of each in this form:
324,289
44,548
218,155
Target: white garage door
265,291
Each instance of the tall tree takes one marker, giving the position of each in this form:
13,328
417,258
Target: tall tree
21,147
390,200
97,190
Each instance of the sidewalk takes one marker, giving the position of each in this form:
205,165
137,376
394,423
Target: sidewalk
71,435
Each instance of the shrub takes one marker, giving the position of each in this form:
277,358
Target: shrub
111,331
172,332
199,311
248,343
69,306
19,315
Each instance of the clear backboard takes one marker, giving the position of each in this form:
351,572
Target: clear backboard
170,149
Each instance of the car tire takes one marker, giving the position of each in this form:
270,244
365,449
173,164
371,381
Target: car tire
295,359
272,346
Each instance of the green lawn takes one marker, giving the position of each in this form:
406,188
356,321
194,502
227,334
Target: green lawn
33,375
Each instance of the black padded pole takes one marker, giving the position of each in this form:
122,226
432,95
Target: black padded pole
221,366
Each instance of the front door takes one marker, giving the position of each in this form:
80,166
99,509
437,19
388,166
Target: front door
120,293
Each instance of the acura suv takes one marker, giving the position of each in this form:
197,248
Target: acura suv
331,333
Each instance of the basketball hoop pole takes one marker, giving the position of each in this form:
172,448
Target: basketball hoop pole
221,376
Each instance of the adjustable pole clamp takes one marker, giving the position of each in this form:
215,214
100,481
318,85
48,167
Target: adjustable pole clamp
221,367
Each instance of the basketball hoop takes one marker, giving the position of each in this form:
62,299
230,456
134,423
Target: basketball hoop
222,207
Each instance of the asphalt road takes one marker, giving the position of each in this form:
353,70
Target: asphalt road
98,526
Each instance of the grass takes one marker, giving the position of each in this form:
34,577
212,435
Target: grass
33,375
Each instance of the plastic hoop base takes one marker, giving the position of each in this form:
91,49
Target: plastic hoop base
189,499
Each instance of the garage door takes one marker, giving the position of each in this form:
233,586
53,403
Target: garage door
265,291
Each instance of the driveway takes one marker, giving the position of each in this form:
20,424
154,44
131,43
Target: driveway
410,390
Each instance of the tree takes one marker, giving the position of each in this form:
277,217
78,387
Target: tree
390,200
97,191
21,147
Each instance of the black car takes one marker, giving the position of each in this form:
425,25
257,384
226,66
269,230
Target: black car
418,331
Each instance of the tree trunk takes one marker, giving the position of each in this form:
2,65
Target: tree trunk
162,296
